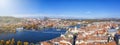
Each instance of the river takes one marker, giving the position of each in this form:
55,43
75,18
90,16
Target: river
33,36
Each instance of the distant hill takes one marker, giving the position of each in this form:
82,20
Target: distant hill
8,19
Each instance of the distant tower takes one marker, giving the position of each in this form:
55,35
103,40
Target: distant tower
75,32
75,28
112,27
45,18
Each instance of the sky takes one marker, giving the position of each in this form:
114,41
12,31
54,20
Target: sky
61,8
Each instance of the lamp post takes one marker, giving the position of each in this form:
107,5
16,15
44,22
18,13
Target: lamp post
75,33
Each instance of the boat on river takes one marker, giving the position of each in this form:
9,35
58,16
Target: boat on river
19,29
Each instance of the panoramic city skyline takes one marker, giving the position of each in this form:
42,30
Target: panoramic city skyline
59,22
61,8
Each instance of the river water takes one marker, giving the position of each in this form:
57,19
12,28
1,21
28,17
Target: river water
33,36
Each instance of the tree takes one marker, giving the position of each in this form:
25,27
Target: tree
12,41
32,44
19,43
7,42
2,42
26,43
